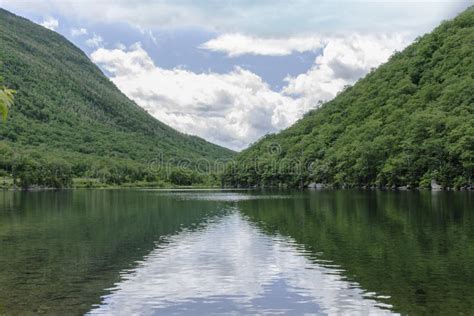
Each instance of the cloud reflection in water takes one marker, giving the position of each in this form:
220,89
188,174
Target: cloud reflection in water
230,266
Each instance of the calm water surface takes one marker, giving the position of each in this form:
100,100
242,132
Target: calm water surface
200,252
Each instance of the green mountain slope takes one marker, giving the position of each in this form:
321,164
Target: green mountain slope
66,108
407,123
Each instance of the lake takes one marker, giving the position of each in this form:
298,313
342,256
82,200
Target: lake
236,252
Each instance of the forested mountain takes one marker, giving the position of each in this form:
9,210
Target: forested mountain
66,112
406,123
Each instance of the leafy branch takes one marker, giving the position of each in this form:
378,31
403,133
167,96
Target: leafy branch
6,101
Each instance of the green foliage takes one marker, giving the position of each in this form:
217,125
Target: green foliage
53,174
65,108
6,101
184,177
410,119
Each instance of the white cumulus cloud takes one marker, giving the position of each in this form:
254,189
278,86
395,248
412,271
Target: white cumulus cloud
50,23
78,31
236,44
260,18
230,109
95,41
343,61
236,108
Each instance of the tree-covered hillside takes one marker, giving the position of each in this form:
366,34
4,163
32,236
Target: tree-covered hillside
66,112
408,122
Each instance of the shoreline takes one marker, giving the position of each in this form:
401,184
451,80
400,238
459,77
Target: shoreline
219,188
81,183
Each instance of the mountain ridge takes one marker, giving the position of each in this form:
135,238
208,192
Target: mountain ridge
67,109
407,123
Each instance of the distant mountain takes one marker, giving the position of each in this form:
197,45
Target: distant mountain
66,108
407,123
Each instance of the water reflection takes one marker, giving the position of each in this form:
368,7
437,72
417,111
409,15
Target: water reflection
413,249
231,266
60,251
323,252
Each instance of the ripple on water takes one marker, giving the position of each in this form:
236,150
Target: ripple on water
219,196
230,266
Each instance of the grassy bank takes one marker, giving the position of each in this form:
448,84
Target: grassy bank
7,183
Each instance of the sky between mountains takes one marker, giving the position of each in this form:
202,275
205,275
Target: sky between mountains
233,71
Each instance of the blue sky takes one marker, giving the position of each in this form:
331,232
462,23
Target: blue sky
233,71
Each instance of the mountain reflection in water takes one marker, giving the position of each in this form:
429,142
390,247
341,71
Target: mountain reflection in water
229,265
250,252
